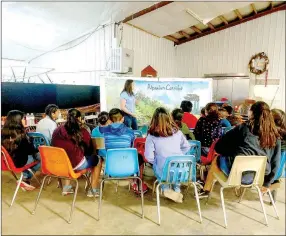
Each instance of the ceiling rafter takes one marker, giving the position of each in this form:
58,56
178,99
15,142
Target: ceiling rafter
211,26
280,7
194,28
183,33
238,14
253,8
223,20
172,38
146,11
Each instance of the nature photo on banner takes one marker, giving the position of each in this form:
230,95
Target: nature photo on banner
167,93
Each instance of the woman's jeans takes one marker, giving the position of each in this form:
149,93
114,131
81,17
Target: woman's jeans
27,174
130,122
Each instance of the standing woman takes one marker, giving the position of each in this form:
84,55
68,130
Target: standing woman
127,104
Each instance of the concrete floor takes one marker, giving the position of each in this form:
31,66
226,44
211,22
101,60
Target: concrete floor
121,213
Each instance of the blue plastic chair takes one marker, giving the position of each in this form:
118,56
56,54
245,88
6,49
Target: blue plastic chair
38,139
177,170
144,129
138,133
281,170
121,164
195,149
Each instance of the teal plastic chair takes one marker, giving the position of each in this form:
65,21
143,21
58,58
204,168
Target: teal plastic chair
177,170
226,129
138,133
195,149
144,129
121,164
38,139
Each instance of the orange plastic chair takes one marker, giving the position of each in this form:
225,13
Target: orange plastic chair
56,164
7,164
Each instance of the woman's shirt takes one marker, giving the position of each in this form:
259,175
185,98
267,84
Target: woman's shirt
130,101
47,127
241,142
75,152
157,149
19,148
207,131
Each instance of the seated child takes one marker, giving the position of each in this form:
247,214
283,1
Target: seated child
223,114
118,130
165,140
177,115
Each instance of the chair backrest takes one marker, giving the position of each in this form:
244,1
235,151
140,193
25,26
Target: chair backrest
226,129
179,169
6,160
144,129
247,163
55,161
121,163
38,139
195,149
98,143
281,170
138,133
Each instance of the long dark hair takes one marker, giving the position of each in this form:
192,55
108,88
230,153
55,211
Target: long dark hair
73,126
262,124
162,124
128,87
212,111
51,108
280,121
13,130
177,115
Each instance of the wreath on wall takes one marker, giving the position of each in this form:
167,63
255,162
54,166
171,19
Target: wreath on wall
258,63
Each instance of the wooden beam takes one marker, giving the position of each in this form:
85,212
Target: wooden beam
183,33
224,20
210,25
253,8
194,28
281,7
238,14
169,37
145,11
142,29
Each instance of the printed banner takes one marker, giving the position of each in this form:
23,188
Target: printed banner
151,94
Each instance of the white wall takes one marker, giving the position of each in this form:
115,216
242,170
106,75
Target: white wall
229,51
93,57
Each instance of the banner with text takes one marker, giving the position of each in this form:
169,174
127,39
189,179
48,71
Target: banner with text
150,94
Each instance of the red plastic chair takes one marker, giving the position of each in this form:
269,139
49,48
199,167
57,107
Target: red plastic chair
139,144
7,164
207,160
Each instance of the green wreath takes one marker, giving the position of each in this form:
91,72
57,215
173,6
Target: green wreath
256,68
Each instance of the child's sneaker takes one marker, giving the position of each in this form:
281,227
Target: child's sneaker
26,186
67,190
175,196
136,189
96,192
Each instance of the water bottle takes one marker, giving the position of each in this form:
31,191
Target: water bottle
28,119
32,119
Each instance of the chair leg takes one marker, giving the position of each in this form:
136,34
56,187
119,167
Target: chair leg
39,194
100,197
14,175
49,181
242,194
32,172
73,202
198,201
158,203
223,206
116,188
273,203
142,196
262,204
154,185
17,189
209,196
